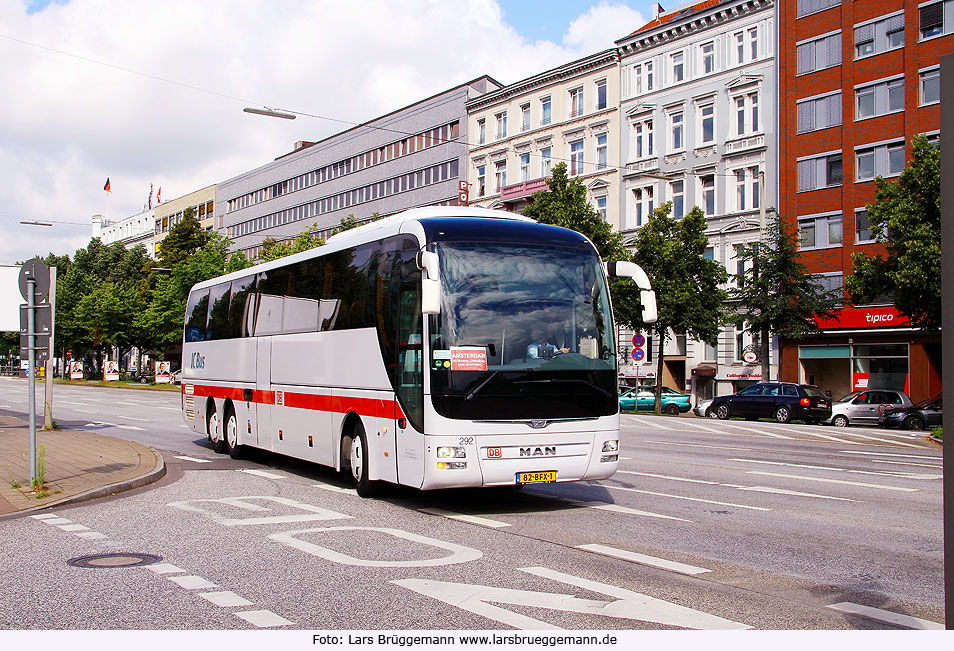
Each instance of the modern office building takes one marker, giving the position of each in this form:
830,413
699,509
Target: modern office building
414,156
568,114
858,80
170,213
698,110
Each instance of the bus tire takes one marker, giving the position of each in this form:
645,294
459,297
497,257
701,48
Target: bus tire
359,464
213,428
235,450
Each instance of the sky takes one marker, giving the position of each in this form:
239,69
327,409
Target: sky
144,92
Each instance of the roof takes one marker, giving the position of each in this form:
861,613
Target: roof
681,12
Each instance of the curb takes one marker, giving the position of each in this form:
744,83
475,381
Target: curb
154,475
931,439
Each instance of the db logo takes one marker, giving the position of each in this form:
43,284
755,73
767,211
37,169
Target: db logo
280,398
494,453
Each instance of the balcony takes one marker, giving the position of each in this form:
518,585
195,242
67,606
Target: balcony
520,190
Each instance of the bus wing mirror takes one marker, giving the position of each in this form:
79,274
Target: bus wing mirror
647,296
431,285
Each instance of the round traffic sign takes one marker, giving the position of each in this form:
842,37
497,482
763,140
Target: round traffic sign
638,354
36,270
639,340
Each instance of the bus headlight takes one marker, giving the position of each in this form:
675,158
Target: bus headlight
451,465
610,446
451,452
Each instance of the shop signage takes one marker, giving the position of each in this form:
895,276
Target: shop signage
742,374
865,317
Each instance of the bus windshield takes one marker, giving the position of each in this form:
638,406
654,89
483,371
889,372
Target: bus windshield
525,331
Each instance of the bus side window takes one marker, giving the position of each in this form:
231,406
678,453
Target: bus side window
218,323
196,314
241,317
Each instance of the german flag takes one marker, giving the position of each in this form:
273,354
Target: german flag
106,187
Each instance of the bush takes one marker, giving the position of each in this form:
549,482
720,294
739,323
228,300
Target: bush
938,433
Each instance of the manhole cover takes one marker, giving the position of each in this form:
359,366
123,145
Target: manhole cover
119,559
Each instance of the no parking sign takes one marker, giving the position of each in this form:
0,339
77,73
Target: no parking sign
639,347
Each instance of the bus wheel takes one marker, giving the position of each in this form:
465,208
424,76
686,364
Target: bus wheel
214,427
231,434
359,463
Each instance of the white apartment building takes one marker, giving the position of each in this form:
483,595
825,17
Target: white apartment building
698,116
130,231
568,114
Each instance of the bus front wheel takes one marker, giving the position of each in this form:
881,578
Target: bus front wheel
359,463
214,429
231,434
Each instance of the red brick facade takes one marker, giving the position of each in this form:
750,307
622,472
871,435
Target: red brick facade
915,55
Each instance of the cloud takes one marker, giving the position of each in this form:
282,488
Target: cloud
67,123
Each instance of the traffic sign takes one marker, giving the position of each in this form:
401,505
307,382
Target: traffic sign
42,321
39,343
638,354
36,270
639,341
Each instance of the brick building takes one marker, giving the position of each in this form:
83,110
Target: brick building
857,81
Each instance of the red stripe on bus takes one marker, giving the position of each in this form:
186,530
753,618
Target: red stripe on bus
372,407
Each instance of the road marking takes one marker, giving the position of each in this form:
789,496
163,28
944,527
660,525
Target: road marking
141,420
130,427
306,512
99,424
626,604
472,519
56,520
889,442
887,616
889,454
165,568
261,473
85,411
91,535
191,582
225,599
643,559
908,463
73,527
193,459
69,402
648,421
337,489
757,489
44,516
170,408
900,475
699,445
757,431
830,438
832,481
263,618
702,427
682,497
616,508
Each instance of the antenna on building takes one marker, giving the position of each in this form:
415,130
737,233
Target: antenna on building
657,10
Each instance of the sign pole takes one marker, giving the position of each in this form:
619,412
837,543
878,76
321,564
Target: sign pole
31,369
50,364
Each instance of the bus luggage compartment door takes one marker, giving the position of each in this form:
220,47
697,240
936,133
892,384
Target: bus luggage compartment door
260,412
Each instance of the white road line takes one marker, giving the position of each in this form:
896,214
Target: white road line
881,440
463,517
908,463
69,402
757,489
85,411
616,508
832,481
170,408
141,420
757,431
130,427
263,618
193,459
336,489
900,475
261,473
73,527
698,445
682,497
191,582
100,424
648,421
44,516
887,616
830,438
90,535
56,520
225,599
702,427
889,454
643,559
165,568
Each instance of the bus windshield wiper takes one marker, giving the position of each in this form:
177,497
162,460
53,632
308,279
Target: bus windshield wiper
470,396
564,381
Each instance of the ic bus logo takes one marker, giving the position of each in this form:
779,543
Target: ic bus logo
494,453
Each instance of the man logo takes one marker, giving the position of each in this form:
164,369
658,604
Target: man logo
548,451
494,453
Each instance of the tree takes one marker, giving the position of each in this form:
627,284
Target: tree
906,217
273,249
183,239
779,295
688,295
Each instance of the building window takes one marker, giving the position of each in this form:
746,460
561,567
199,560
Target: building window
879,160
481,180
601,151
708,57
740,47
601,203
649,76
524,167
754,43
820,231
644,139
501,119
481,131
806,7
819,53
818,172
863,233
740,340
930,84
545,161
819,112
879,36
677,67
747,114
525,117
879,98
545,115
676,124
500,175
576,102
576,157
707,186
677,190
935,18
638,79
643,201
600,94
707,123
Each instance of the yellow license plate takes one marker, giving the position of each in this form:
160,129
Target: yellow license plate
536,477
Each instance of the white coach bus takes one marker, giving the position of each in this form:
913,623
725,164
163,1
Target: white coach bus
437,348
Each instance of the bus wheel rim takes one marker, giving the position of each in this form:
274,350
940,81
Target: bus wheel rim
356,460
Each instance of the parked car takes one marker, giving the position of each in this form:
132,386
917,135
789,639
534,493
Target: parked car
926,414
176,377
783,401
703,408
866,406
644,399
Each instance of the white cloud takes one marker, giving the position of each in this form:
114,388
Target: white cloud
67,123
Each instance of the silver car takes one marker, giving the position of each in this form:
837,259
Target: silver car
866,406
702,409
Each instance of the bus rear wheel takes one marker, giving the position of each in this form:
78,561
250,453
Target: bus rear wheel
235,450
359,464
214,429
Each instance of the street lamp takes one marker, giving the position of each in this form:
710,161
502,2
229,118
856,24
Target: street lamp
36,223
270,112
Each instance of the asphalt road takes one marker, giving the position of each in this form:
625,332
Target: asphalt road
708,524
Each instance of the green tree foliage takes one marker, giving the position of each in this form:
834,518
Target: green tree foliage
183,239
777,294
688,294
273,249
906,216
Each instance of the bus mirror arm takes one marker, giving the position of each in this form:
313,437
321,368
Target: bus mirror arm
431,285
632,270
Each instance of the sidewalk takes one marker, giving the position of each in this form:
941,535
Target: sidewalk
80,466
